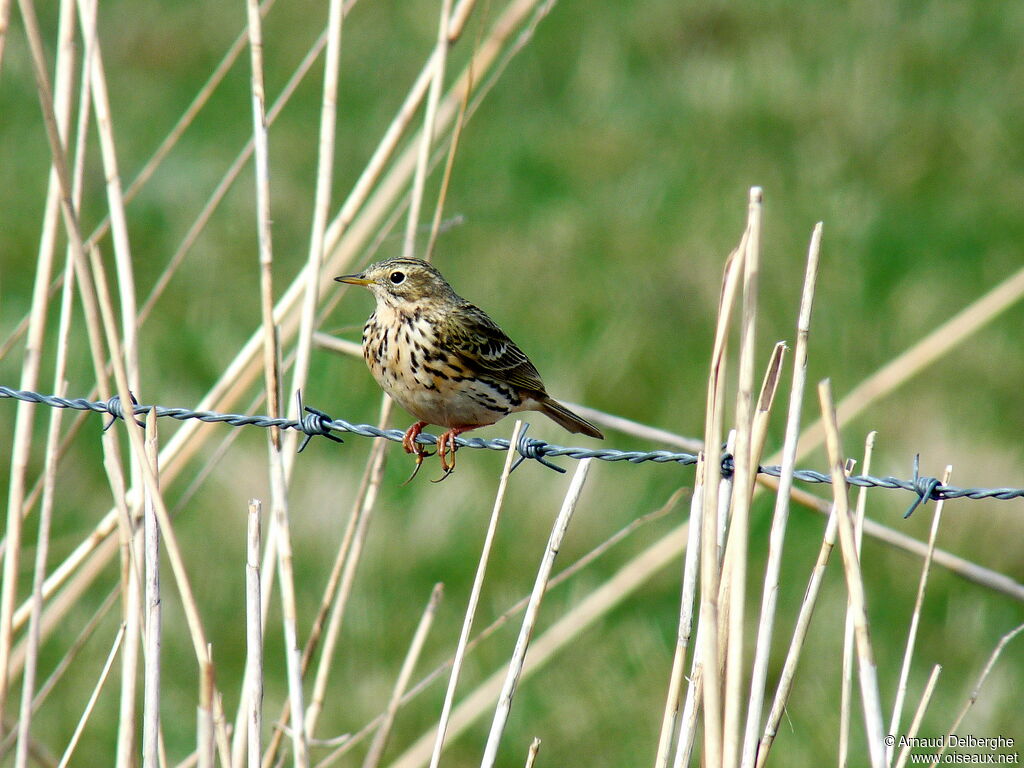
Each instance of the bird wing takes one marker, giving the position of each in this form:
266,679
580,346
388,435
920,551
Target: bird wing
484,347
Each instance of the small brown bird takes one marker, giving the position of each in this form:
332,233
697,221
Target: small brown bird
444,360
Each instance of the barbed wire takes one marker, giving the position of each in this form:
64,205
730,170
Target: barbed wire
317,423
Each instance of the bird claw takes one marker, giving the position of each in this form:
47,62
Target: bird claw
447,471
446,446
420,456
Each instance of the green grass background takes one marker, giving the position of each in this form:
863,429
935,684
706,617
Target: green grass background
603,182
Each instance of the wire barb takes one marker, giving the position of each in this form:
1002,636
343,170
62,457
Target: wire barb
116,410
531,448
316,422
313,423
925,488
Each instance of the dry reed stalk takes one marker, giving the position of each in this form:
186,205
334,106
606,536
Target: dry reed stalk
131,599
763,408
264,237
474,596
643,431
35,326
352,547
745,472
691,706
70,749
453,145
380,738
59,373
515,667
915,724
321,204
845,695
709,575
868,672
560,634
531,756
52,456
292,653
338,587
360,193
87,11
915,619
780,517
205,748
28,684
758,434
280,536
252,697
153,611
334,344
976,691
796,643
438,60
689,591
22,441
21,444
695,689
129,345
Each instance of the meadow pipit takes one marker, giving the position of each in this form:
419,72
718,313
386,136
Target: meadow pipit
444,360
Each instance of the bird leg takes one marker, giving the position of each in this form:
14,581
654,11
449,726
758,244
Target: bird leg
411,446
409,438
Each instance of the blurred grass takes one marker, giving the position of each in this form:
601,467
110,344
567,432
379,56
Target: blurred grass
603,181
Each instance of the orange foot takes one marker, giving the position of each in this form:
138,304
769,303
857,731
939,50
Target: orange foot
446,444
409,438
411,446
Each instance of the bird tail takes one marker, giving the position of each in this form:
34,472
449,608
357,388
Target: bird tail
566,419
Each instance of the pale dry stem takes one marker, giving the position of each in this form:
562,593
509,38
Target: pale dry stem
780,517
70,749
709,573
915,619
915,724
515,667
855,585
474,596
845,695
745,472
252,697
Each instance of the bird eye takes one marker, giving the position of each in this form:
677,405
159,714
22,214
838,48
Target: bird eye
397,278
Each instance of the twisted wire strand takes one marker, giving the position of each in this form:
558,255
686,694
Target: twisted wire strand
317,423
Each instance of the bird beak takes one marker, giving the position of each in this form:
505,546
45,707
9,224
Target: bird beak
354,280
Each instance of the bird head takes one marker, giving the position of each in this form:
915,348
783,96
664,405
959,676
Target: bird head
399,282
